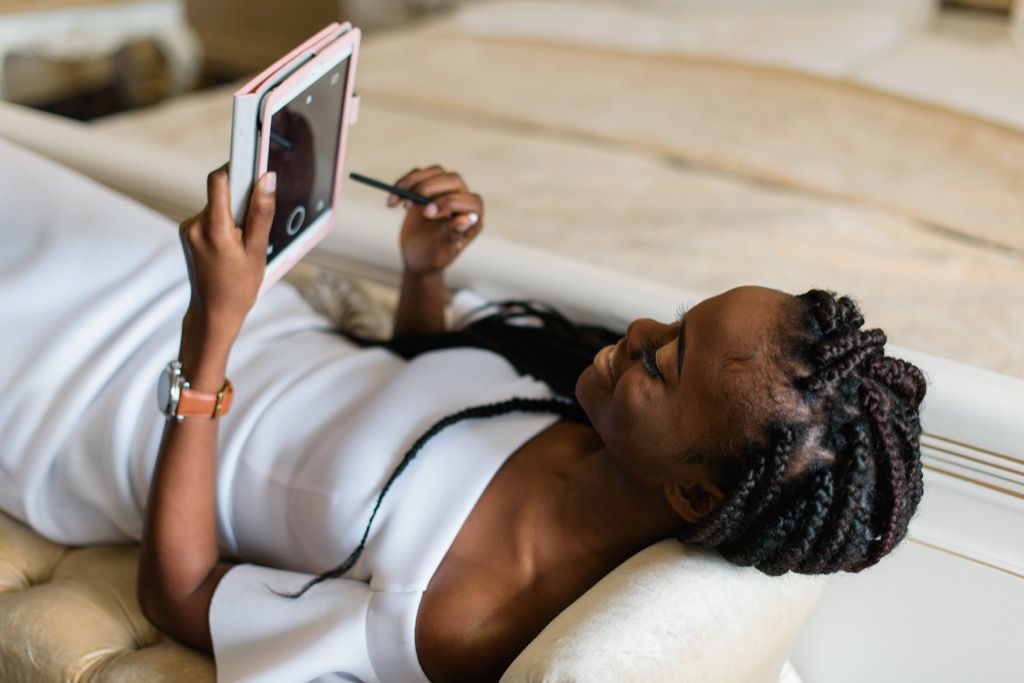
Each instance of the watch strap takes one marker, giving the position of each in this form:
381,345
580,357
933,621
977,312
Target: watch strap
194,403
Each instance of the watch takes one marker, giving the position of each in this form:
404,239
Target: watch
176,400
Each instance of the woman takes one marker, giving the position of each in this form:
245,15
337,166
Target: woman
766,425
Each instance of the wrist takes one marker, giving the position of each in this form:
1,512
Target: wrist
204,373
204,356
434,278
200,322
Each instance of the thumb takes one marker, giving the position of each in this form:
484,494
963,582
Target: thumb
260,216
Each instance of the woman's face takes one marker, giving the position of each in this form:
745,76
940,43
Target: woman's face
665,389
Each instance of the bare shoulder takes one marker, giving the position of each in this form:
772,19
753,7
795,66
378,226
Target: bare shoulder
472,629
490,596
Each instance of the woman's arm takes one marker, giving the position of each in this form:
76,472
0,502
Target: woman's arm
432,237
179,566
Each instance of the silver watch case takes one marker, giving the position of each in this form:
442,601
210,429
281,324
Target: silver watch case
168,390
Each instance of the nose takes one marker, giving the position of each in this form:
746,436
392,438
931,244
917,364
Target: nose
639,331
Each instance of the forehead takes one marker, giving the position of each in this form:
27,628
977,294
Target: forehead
727,367
727,344
738,322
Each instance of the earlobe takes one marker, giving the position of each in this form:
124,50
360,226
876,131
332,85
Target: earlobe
694,499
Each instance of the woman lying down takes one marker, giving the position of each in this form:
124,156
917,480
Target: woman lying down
422,508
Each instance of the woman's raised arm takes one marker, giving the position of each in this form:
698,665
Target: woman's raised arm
180,566
432,237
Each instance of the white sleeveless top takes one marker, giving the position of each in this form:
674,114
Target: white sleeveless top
93,287
307,508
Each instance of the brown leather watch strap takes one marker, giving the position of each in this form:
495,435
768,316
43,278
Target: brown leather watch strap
201,404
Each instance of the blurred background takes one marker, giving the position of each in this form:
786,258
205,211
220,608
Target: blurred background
88,58
872,147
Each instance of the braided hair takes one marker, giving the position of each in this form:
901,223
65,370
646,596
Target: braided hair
827,482
832,485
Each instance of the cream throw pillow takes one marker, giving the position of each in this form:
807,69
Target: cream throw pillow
674,613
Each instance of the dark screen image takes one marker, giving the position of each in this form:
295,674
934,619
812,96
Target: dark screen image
303,152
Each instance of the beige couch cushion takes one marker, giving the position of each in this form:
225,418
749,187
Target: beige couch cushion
71,614
13,6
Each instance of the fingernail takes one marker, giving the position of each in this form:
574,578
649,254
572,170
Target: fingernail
392,199
462,228
407,203
270,184
430,210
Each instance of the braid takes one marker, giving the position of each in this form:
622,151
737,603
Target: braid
846,511
566,409
813,521
760,486
843,535
767,517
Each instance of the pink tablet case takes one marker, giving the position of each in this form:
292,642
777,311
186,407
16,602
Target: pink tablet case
325,44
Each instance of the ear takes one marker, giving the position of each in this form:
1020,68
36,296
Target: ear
695,495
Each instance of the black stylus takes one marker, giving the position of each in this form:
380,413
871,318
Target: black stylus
412,196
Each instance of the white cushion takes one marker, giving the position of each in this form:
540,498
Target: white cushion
675,613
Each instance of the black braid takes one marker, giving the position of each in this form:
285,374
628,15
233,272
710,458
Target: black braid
558,406
536,339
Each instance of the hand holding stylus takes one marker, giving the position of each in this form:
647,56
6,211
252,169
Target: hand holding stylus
434,234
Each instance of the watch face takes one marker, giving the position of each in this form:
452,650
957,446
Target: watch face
163,392
168,389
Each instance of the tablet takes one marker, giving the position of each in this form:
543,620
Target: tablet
303,110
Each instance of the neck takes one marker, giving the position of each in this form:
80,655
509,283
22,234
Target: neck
604,517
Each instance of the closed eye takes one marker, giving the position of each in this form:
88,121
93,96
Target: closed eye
681,339
650,360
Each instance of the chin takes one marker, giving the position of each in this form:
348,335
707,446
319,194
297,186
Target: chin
589,392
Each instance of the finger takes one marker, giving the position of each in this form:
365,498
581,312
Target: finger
455,202
469,234
418,175
261,214
186,225
458,241
440,184
462,222
190,233
455,236
218,197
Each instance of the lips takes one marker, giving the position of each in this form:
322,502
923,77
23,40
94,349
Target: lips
605,364
610,359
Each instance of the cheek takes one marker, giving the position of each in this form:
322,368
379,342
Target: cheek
627,420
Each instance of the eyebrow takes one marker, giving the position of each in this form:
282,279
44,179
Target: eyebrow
680,347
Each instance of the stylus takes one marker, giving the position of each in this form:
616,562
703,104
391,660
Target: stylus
412,196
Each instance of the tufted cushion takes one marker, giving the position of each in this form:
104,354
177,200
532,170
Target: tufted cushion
71,614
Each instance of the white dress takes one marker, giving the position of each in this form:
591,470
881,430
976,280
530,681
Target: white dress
92,290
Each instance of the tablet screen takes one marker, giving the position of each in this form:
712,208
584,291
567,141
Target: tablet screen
303,150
